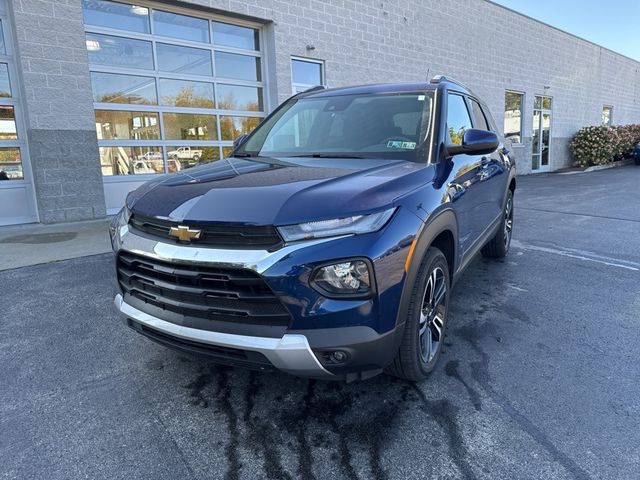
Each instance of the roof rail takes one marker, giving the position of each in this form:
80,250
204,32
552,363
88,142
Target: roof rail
313,89
444,78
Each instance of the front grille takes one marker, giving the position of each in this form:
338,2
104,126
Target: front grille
221,294
224,236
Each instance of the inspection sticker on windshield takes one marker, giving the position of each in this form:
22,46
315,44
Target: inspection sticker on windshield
401,144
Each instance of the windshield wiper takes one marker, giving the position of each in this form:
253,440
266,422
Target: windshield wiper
324,155
243,155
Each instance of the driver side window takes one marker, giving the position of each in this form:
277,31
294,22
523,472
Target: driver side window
458,119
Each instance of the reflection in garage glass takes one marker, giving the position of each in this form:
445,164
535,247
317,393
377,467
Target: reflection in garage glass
10,164
180,26
129,89
235,97
232,127
242,67
235,36
173,58
131,160
189,126
191,156
7,123
116,15
119,52
118,124
184,93
5,86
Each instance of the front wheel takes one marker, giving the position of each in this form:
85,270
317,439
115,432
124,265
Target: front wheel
426,320
499,245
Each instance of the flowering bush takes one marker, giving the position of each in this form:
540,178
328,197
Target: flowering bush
598,145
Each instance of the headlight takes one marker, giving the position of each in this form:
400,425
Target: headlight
332,228
351,278
120,220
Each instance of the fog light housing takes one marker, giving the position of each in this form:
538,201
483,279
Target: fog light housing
349,278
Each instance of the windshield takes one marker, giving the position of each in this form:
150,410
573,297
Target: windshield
368,126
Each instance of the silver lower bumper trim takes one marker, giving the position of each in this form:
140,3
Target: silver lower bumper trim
291,353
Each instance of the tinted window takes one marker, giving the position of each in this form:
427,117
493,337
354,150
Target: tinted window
458,119
479,117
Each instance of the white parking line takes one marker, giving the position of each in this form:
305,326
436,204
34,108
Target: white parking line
580,255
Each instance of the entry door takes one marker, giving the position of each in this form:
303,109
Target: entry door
541,134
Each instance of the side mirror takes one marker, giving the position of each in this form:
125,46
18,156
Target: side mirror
238,141
475,142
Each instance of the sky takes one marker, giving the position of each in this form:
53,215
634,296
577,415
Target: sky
614,24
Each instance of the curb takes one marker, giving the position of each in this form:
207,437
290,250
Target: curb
619,163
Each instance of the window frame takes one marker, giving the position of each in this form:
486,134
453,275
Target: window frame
522,115
465,102
165,144
471,101
301,87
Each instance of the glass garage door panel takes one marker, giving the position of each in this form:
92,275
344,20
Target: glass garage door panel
17,200
172,90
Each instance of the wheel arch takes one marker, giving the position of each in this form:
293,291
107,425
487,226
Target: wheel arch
442,232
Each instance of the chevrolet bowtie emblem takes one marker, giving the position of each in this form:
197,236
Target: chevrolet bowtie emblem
184,233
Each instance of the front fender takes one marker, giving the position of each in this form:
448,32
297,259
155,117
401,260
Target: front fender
440,221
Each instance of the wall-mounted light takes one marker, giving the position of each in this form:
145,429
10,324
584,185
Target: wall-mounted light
137,10
547,87
310,48
93,45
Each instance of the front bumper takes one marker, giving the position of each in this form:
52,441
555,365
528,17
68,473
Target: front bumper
291,353
365,329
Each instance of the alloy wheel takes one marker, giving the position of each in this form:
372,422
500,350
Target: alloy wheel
432,315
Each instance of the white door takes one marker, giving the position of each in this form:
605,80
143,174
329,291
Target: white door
541,136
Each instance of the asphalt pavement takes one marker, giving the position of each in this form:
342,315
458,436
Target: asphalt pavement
539,379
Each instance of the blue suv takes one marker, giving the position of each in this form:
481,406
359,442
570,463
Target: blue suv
327,245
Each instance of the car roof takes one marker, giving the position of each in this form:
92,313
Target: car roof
436,83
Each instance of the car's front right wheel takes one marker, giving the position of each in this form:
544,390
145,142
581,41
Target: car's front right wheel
426,320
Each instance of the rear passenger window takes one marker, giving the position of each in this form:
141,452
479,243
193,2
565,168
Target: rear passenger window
479,117
458,119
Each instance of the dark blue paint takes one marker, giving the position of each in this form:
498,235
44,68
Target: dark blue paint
281,191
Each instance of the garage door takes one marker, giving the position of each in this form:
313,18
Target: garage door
172,89
17,203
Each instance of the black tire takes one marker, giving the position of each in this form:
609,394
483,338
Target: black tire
498,246
412,362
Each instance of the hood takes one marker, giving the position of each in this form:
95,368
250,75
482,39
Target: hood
278,191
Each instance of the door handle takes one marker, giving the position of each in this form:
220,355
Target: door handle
484,161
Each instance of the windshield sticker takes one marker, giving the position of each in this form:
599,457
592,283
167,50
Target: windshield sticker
401,144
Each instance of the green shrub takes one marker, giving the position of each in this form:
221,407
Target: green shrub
599,145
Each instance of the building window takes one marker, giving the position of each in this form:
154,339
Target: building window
306,74
171,91
513,109
607,115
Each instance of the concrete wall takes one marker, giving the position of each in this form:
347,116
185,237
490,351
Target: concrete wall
484,45
52,60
